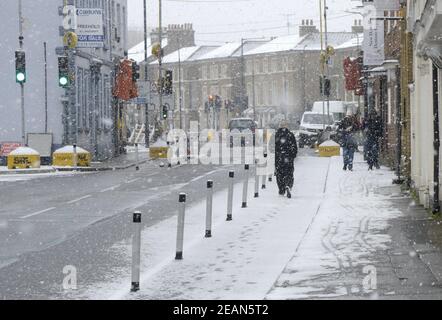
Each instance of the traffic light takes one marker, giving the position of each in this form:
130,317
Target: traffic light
218,103
63,71
168,80
165,112
135,71
20,67
325,86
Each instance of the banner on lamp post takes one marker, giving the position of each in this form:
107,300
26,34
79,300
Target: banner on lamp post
373,45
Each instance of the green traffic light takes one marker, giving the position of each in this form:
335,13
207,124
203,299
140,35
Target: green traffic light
63,81
21,77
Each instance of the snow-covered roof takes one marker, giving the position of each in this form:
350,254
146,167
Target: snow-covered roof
137,52
339,40
180,55
186,54
224,51
312,41
354,42
279,44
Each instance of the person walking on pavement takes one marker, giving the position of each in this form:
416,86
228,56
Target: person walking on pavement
347,130
286,150
373,132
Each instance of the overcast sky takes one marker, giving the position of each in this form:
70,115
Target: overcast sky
218,21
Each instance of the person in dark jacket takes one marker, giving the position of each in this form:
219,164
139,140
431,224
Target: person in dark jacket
286,150
373,132
347,130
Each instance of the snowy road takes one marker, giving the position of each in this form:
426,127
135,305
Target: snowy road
343,235
50,222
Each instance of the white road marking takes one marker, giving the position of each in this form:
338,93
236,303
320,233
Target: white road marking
111,188
37,213
79,199
133,180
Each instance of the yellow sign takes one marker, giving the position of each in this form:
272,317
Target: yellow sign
23,161
156,50
70,39
330,51
329,151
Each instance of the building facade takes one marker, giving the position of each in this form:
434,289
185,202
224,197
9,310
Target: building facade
424,18
272,76
85,113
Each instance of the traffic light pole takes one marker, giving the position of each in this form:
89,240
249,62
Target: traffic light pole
160,64
22,85
146,106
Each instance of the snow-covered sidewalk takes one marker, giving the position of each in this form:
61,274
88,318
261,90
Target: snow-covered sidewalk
317,244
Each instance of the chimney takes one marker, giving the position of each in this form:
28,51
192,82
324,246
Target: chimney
357,27
307,27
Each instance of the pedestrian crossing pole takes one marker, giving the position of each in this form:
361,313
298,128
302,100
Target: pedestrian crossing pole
264,177
209,206
245,186
180,231
137,156
256,178
230,195
136,252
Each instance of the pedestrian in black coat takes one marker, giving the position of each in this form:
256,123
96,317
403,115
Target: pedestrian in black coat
373,132
286,150
347,130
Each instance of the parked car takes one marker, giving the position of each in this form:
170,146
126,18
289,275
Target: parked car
312,125
241,125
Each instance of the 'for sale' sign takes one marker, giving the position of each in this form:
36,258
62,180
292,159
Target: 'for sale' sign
90,30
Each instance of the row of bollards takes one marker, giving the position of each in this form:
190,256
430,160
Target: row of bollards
136,241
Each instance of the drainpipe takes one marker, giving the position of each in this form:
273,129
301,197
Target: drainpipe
399,180
436,205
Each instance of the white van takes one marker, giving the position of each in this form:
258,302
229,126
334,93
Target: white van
311,126
339,109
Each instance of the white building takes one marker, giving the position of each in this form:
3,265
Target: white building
425,21
89,120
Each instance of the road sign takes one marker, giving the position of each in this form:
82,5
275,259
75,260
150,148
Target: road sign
90,30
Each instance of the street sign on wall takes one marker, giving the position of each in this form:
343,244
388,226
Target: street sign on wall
90,30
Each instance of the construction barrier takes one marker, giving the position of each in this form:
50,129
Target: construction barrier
24,158
65,157
329,149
